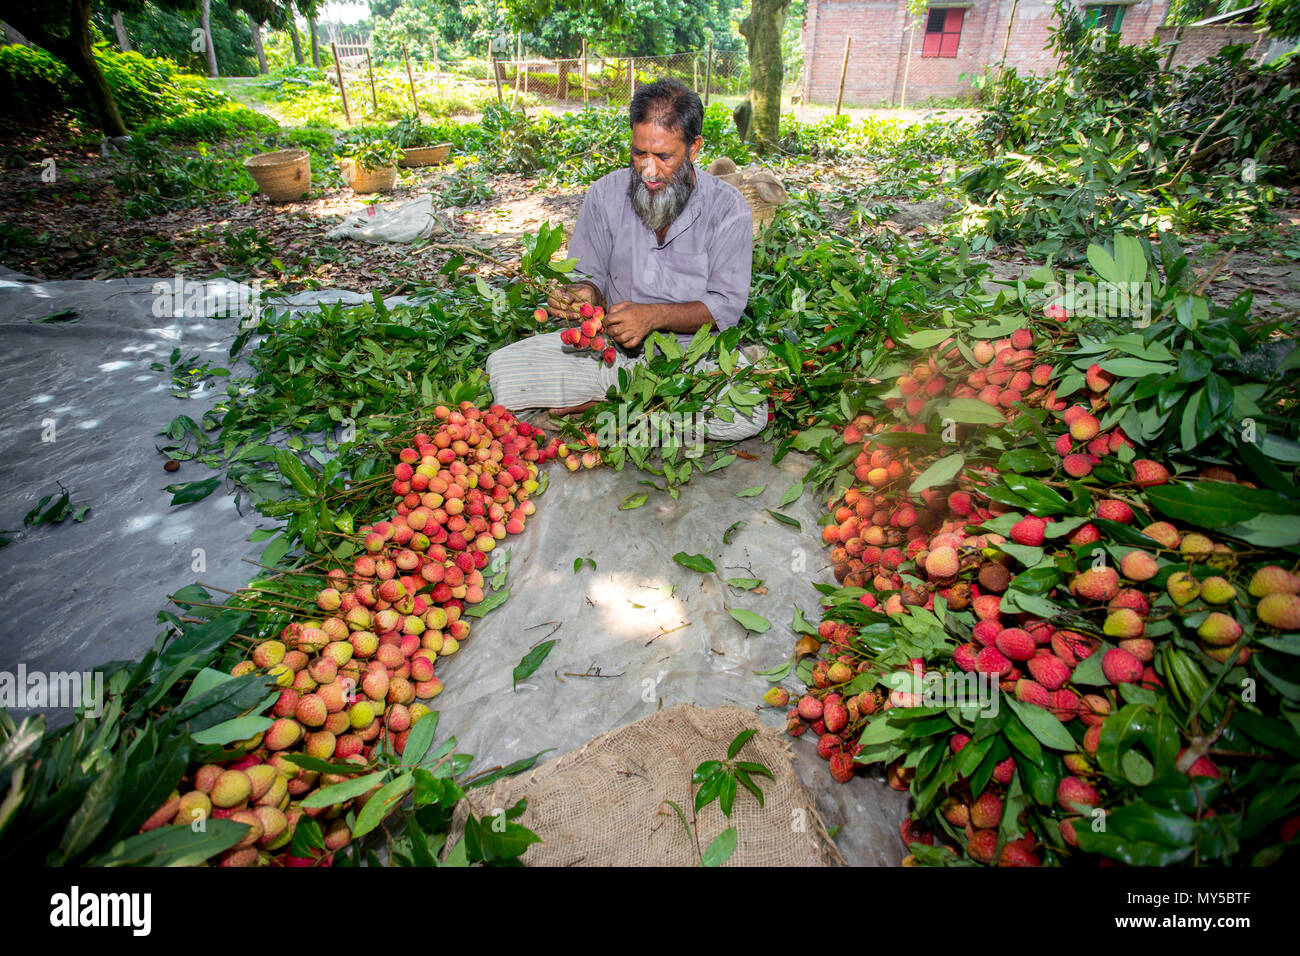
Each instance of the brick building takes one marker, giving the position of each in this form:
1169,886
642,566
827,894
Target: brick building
957,37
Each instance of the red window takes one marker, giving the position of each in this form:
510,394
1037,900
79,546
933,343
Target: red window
943,32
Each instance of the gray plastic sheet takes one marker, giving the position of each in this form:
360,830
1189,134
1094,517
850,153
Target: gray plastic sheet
637,631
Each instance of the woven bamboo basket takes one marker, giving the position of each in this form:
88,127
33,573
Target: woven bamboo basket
426,155
381,180
762,210
283,176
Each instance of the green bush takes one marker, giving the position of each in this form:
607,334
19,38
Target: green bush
35,85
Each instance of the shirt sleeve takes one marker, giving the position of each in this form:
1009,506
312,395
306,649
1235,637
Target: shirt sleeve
592,242
731,261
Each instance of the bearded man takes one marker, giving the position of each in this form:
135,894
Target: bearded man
661,246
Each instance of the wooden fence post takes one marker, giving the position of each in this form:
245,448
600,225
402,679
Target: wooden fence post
844,71
374,98
410,78
708,74
338,72
585,101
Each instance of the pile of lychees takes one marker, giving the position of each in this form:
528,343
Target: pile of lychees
360,673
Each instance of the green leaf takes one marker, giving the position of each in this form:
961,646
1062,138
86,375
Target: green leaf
579,562
342,792
519,766
634,500
744,584
695,562
96,809
192,490
1212,503
420,739
784,519
939,473
971,411
174,845
531,661
792,493
730,534
240,728
1128,367
489,603
751,621
382,803
740,740
1043,725
751,492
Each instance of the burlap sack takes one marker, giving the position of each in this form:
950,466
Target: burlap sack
603,804
762,190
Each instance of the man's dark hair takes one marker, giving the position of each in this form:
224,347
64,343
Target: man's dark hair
670,105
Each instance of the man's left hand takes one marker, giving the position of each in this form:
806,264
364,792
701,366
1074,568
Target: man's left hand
628,323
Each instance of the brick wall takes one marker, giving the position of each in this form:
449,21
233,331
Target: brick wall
1198,44
878,55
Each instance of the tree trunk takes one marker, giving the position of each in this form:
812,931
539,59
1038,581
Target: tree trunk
762,32
205,22
297,43
315,43
76,51
119,27
257,46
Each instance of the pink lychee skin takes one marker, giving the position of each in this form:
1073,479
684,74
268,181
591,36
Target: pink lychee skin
1121,667
1050,671
1075,790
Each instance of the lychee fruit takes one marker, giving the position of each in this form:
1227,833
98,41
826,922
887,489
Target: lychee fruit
841,766
282,734
1138,566
1121,667
1096,584
1077,466
942,562
982,846
231,788
1017,644
1182,587
1147,473
1124,623
1219,630
1113,510
1031,692
1280,610
1029,531
986,811
990,660
1049,670
1074,792
1273,580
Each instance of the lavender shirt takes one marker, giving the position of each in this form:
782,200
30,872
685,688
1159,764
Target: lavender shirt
706,256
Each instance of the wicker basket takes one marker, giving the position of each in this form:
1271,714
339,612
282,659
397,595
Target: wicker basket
426,155
283,176
763,211
380,180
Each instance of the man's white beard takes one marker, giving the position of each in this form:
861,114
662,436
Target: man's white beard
658,208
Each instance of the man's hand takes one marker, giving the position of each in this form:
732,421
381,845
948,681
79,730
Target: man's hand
628,323
565,302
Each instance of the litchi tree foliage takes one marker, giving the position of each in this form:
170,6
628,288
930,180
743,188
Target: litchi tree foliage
1113,544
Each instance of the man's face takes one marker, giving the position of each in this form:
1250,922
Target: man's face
662,176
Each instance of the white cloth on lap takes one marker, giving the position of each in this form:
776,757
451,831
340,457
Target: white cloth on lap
538,372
